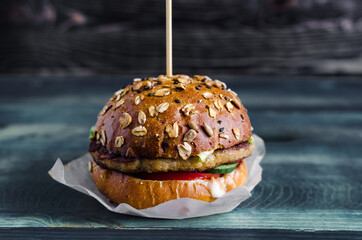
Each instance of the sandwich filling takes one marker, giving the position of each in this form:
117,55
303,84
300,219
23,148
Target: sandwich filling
108,160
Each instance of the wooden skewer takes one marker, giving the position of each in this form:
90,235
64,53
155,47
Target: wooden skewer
169,38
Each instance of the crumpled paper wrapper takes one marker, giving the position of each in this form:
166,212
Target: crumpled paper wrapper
75,174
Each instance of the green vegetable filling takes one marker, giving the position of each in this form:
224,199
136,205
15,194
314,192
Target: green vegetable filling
225,168
91,133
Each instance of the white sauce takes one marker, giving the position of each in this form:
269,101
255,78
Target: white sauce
217,188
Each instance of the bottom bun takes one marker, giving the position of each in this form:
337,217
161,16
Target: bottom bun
140,193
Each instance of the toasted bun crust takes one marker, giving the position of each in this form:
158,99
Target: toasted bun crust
140,194
153,118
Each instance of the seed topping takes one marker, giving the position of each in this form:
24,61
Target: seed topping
122,92
141,117
181,86
162,92
190,135
125,120
148,85
219,84
152,111
187,109
137,86
105,109
119,141
229,106
232,92
172,130
137,100
118,97
236,132
103,137
162,107
98,136
208,95
184,150
209,82
139,131
212,112
224,136
163,78
208,130
119,103
218,104
193,126
236,103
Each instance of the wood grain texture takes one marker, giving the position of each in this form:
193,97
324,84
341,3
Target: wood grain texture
311,179
104,233
241,37
206,50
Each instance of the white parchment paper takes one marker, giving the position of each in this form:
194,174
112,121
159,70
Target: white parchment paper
75,174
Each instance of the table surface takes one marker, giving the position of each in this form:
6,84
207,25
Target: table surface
311,185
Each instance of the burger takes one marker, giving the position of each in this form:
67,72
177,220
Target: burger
164,138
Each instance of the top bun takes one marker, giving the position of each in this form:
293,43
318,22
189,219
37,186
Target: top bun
172,117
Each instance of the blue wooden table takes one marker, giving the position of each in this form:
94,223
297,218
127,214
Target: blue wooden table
312,176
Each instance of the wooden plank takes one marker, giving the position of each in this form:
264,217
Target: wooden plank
198,49
248,37
105,233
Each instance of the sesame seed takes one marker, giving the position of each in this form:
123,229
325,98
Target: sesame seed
203,80
242,117
221,129
139,91
149,94
159,83
165,144
200,86
226,98
197,88
219,122
177,100
208,87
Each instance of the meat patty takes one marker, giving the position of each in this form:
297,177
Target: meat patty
134,165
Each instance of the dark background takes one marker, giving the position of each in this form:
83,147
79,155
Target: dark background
228,37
